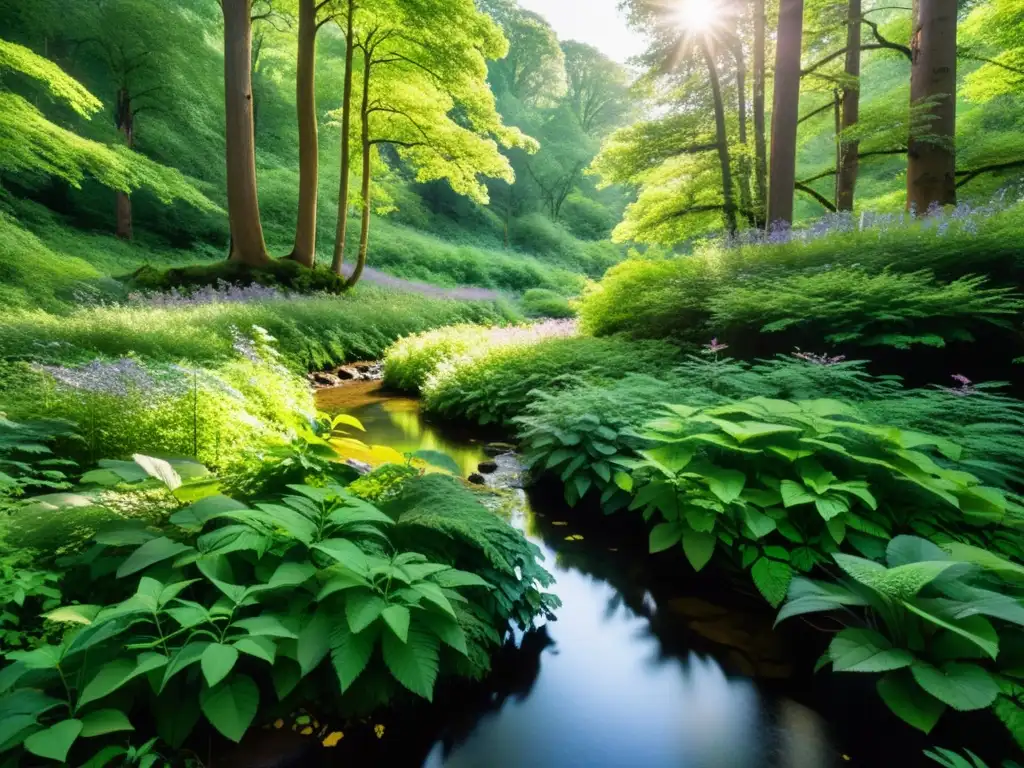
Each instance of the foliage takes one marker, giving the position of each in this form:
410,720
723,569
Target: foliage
26,592
943,625
279,273
538,302
410,360
27,460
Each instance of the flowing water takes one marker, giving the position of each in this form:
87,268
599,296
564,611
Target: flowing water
640,669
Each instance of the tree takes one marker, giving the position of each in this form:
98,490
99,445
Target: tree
785,112
760,142
341,232
846,168
533,70
931,153
598,88
247,244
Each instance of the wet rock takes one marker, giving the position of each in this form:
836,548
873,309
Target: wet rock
324,379
369,371
477,479
347,373
496,449
487,467
359,466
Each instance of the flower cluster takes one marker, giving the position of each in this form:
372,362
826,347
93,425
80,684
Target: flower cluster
530,334
810,357
964,385
223,292
119,377
714,347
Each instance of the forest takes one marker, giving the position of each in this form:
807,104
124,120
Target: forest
407,382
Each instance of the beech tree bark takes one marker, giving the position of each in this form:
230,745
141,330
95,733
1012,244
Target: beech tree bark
304,250
346,163
785,112
125,120
931,158
247,244
846,170
364,233
722,143
760,139
746,202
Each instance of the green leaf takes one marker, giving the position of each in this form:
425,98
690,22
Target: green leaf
159,469
904,550
624,481
902,695
699,547
664,535
345,552
117,673
808,596
105,757
447,629
414,663
350,653
439,460
397,617
185,657
864,650
196,515
434,594
831,506
260,647
749,430
314,641
362,609
962,686
266,625
772,579
758,523
794,494
453,578
583,483
55,742
73,614
726,484
151,552
217,661
671,458
105,721
231,706
977,629
286,675
901,583
341,580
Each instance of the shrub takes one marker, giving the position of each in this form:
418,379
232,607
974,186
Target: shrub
539,302
410,360
496,385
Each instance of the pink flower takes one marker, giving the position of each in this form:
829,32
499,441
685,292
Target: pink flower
714,347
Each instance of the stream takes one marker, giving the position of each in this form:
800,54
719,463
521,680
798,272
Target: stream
647,664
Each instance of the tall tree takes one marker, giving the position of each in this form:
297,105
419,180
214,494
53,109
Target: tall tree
247,244
846,168
760,137
341,232
785,112
598,88
533,71
931,153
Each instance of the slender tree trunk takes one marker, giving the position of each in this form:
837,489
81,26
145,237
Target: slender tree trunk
125,119
760,142
247,244
785,112
346,162
746,204
722,140
931,160
837,127
846,170
304,250
364,234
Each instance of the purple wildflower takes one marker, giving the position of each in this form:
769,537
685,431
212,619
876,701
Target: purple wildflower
119,377
966,386
714,347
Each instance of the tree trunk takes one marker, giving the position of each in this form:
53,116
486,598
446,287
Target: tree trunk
247,243
846,173
722,140
125,119
931,160
746,203
760,143
785,112
346,161
364,234
304,250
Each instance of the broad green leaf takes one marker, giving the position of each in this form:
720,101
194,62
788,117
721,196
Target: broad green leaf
159,469
864,650
434,594
154,551
726,484
962,686
624,481
286,675
55,742
104,721
105,757
453,578
397,617
348,421
341,580
750,430
350,653
670,458
831,506
117,673
664,535
314,641
217,662
977,629
439,460
266,625
362,609
904,550
196,515
982,557
772,579
346,553
186,656
258,646
758,523
698,547
446,628
73,614
231,706
808,596
794,494
291,574
905,698
414,663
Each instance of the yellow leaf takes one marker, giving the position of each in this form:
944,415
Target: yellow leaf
333,739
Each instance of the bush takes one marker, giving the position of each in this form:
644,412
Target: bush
410,360
539,302
313,332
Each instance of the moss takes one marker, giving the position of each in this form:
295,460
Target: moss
279,273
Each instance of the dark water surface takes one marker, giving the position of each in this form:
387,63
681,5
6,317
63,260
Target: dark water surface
642,667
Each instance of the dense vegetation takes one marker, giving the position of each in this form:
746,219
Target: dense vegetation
788,356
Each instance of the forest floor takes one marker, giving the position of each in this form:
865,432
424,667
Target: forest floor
468,293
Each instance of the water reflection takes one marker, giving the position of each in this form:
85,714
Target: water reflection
616,681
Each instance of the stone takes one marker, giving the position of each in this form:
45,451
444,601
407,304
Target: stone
324,379
347,373
487,467
496,449
477,479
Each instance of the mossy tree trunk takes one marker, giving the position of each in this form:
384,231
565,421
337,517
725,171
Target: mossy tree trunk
346,152
785,113
304,250
846,175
